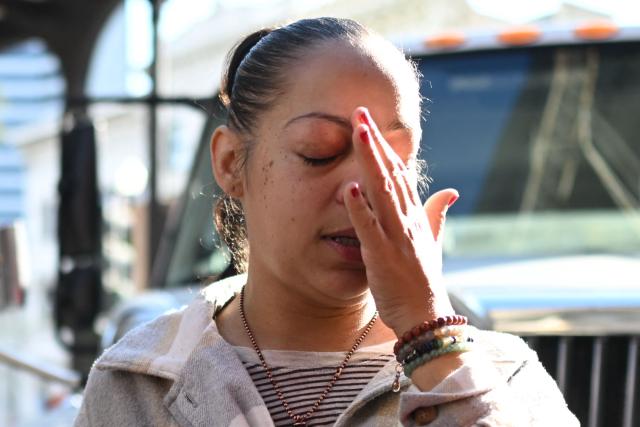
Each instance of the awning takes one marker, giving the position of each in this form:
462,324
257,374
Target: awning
11,185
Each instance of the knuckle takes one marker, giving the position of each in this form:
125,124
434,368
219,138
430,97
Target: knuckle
410,234
387,185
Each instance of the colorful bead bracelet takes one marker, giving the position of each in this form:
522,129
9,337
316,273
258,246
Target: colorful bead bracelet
458,347
445,331
427,326
429,346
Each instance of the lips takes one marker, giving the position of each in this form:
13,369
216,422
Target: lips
347,241
346,236
346,244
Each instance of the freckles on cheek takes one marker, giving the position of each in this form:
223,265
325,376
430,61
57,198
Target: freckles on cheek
266,172
266,180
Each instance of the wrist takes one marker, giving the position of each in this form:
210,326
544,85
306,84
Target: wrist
412,308
433,372
426,337
410,319
407,322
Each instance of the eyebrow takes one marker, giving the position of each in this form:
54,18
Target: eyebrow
344,122
341,121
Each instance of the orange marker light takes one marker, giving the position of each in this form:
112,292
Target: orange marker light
445,40
596,30
519,36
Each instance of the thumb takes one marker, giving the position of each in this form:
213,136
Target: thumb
436,208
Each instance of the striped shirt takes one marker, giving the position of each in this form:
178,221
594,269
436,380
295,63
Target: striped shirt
303,376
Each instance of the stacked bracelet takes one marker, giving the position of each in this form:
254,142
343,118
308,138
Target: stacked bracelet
445,331
429,340
426,326
458,347
432,345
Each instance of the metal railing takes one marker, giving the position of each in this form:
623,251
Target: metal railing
43,370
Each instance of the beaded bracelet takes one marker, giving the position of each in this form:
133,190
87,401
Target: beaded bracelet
445,331
458,347
426,326
429,346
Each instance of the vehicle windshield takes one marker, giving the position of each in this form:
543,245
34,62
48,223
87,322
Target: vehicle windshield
543,144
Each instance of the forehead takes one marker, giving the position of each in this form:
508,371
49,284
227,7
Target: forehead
336,77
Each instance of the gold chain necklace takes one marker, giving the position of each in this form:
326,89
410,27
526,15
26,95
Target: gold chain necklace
301,420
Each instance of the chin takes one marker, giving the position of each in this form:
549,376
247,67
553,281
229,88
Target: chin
347,284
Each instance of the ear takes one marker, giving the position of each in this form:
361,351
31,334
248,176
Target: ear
226,149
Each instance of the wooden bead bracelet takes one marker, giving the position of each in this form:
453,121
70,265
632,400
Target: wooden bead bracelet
427,326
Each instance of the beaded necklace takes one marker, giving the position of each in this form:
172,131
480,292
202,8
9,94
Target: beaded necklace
301,420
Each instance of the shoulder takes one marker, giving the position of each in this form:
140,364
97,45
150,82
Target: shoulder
501,382
161,346
114,397
508,354
528,392
134,380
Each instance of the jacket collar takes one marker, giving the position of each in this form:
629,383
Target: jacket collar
162,347
186,348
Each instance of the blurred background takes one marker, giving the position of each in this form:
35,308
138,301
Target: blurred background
104,105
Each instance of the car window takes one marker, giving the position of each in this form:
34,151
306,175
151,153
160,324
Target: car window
543,145
194,251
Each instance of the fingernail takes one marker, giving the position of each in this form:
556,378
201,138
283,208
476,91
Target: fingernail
364,135
363,118
355,191
452,200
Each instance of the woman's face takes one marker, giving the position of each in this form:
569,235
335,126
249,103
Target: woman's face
299,231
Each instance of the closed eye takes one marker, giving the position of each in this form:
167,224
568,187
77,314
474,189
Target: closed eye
313,161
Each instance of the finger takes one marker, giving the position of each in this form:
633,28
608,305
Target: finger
400,174
436,208
363,219
379,187
392,159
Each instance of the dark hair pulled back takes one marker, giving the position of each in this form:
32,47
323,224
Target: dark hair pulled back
257,72
257,67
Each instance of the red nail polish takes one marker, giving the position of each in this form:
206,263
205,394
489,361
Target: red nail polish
355,191
364,136
452,200
363,118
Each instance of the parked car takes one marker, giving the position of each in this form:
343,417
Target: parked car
539,130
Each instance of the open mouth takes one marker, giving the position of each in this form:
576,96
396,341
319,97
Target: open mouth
346,241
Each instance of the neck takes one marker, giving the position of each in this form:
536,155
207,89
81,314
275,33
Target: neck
281,318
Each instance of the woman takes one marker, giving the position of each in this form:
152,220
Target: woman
318,162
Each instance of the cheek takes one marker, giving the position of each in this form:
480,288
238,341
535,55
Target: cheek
300,198
279,183
281,192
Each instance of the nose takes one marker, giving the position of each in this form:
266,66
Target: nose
350,172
